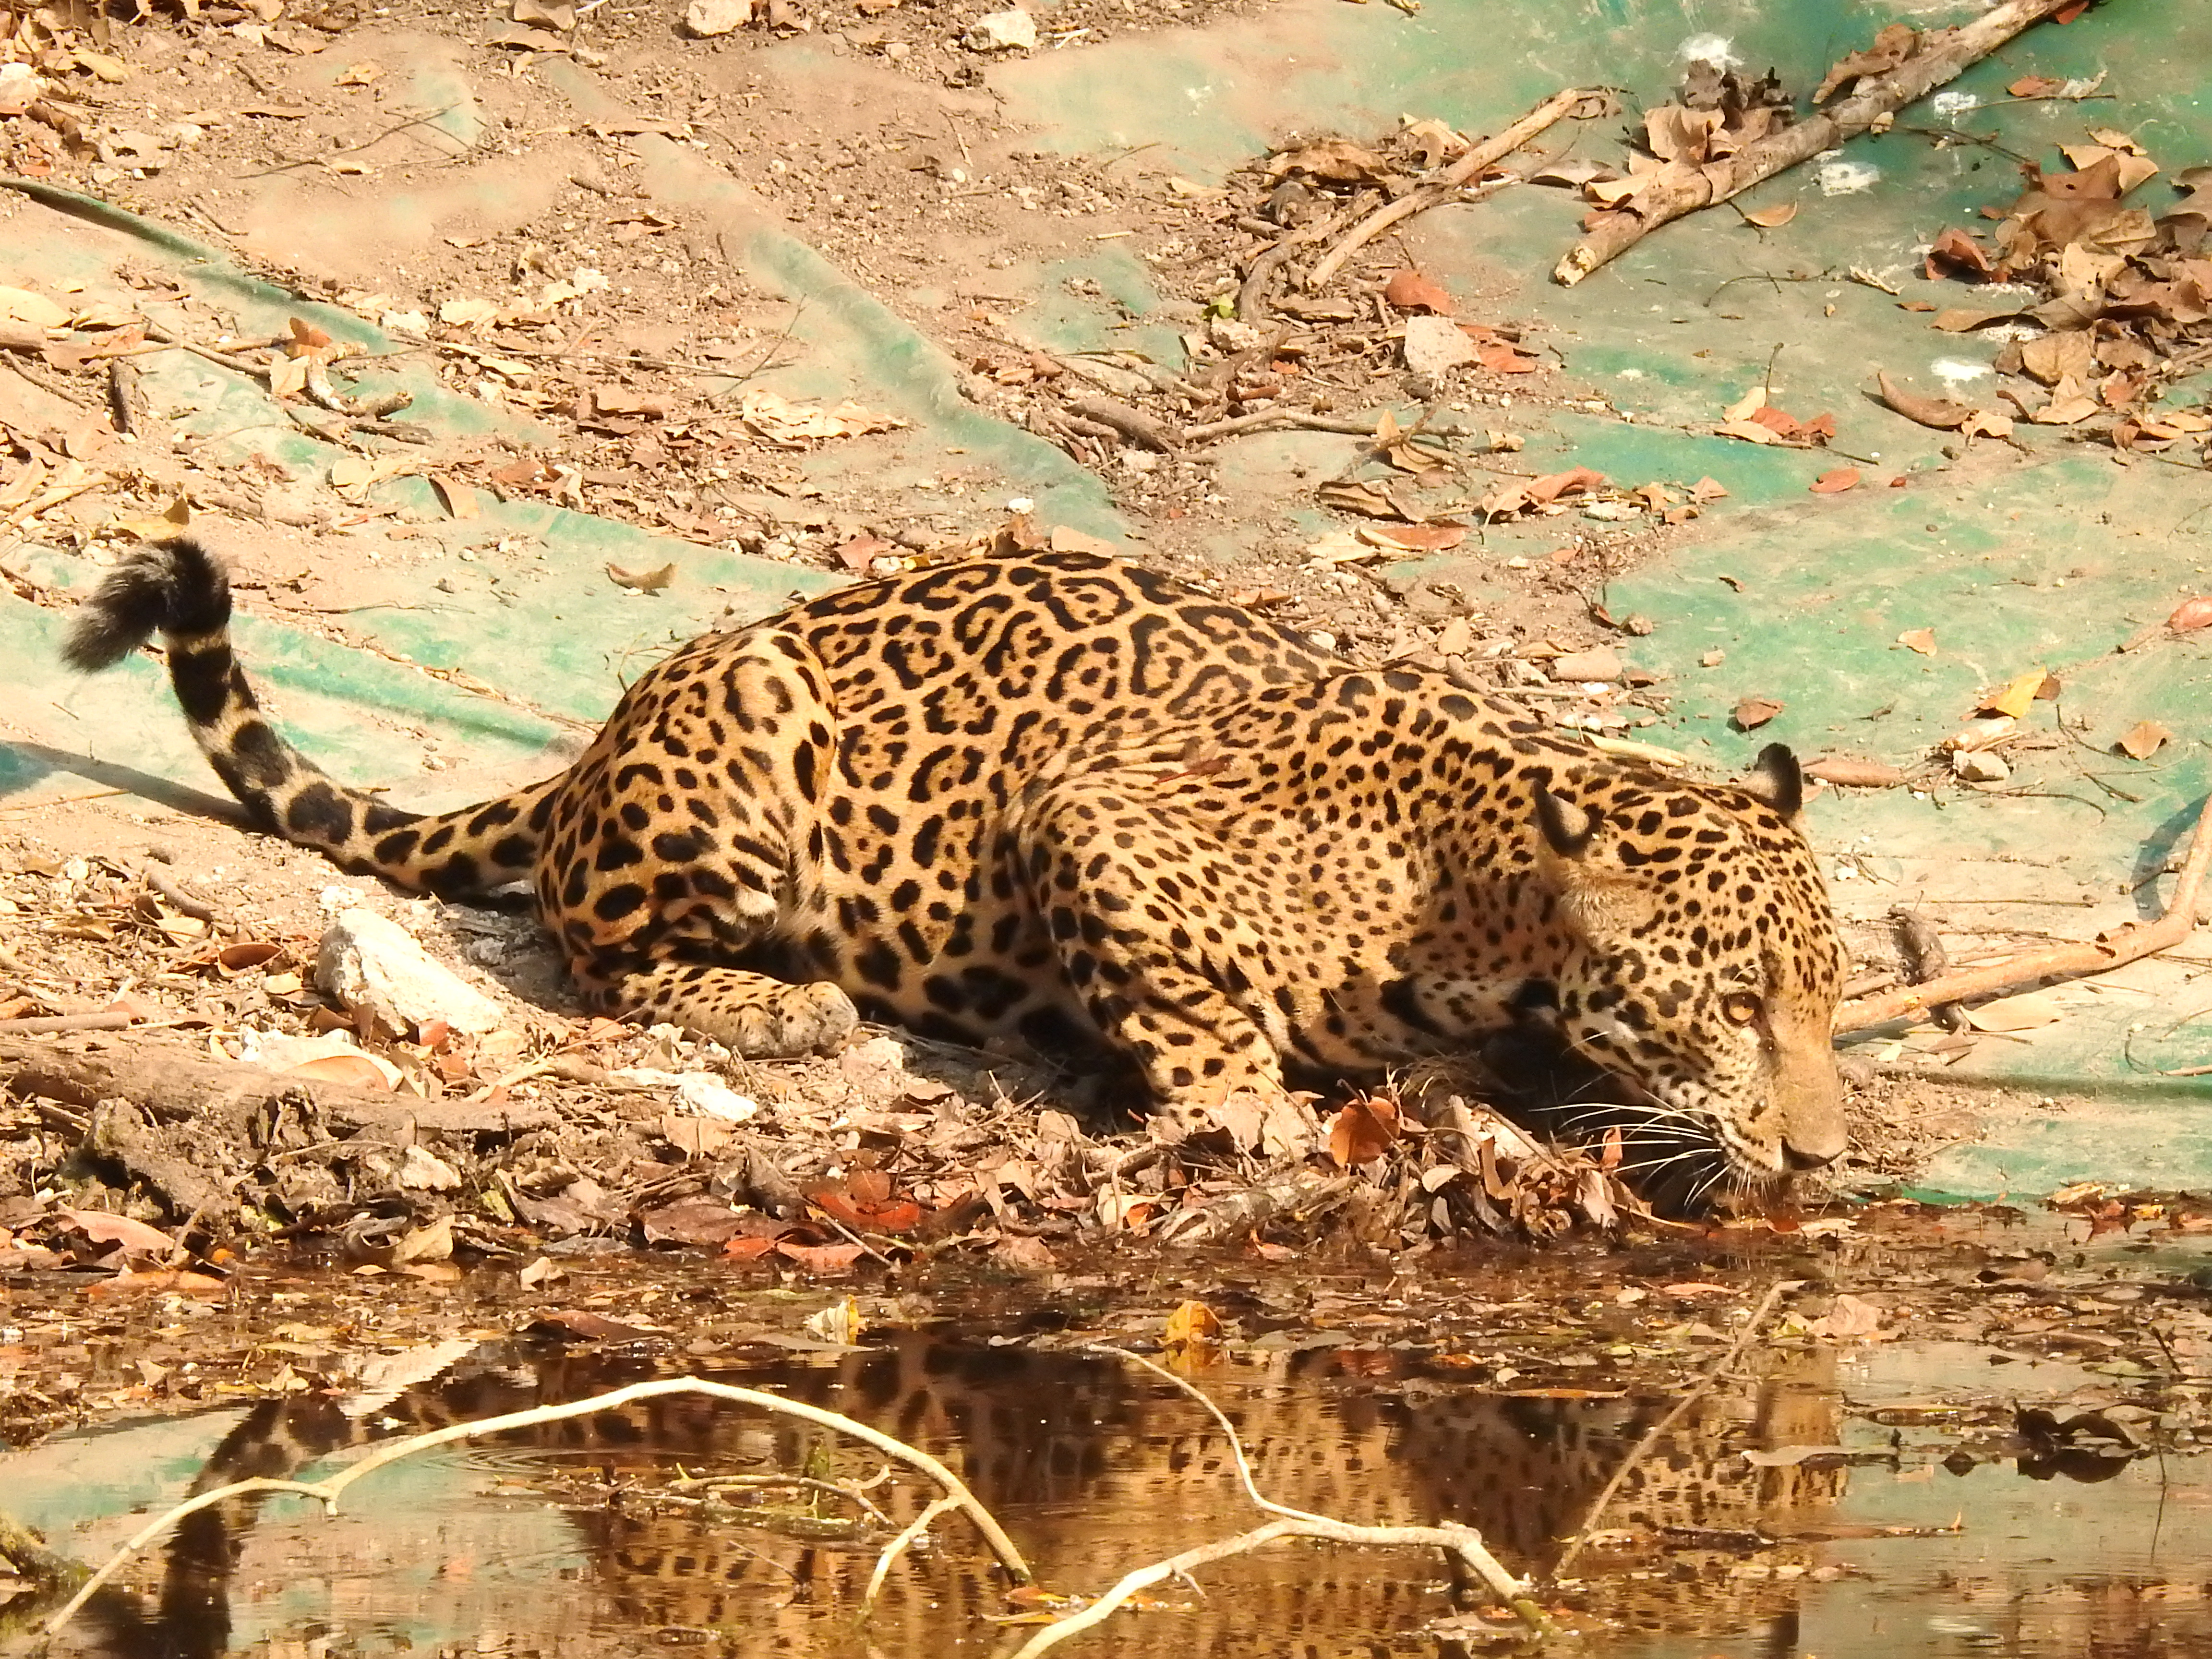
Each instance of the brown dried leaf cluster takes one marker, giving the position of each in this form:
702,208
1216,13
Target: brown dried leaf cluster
2125,293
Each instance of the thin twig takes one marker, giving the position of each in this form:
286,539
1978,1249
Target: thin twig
2069,961
327,1491
1704,1386
180,901
1428,193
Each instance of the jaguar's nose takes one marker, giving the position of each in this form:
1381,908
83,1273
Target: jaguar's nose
1796,1158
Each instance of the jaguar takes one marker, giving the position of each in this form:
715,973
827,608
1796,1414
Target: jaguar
1061,799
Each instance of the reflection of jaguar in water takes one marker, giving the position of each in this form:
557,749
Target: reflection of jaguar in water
1094,1470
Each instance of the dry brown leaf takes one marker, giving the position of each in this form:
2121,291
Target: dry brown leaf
461,501
1707,489
1333,160
1891,47
1414,537
2143,739
1921,640
1955,250
1836,482
2019,1013
1774,217
1750,431
2035,86
358,1070
1362,1132
2190,614
1751,713
643,581
1937,412
1745,406
1409,290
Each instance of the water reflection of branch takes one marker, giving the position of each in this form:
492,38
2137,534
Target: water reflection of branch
1752,1327
956,1495
1465,1543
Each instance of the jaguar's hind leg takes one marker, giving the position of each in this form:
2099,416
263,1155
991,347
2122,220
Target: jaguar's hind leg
1152,918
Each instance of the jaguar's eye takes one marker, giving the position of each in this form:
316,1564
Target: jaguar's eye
1742,1008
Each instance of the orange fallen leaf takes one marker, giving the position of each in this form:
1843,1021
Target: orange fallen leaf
2143,739
1831,483
1362,1132
2191,613
1707,489
1410,290
1773,217
2035,86
1751,713
1921,640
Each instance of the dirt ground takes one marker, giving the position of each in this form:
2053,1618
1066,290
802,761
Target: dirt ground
883,151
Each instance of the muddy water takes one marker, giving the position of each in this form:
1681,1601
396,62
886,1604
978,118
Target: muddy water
1835,1537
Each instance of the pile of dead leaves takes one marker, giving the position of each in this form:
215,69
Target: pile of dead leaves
2121,293
1719,113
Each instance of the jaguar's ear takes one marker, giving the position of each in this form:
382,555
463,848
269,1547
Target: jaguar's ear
1777,780
1567,828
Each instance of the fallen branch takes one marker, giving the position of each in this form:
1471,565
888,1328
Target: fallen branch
327,1491
1132,423
1431,191
1704,1387
1677,192
1463,1541
2069,961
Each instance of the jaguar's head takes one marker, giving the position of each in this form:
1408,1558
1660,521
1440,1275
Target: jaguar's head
1709,966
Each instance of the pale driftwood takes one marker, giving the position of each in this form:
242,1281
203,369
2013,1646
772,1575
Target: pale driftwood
1463,1541
327,1491
2072,961
1431,191
1875,96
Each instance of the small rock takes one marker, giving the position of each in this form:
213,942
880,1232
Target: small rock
373,966
427,1172
707,18
1232,336
19,87
1978,766
1601,663
1002,31
1434,345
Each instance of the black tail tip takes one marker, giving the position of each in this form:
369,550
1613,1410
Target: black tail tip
176,587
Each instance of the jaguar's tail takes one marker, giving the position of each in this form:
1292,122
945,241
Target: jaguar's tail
180,590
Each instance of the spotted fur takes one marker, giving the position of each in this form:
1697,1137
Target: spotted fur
1056,796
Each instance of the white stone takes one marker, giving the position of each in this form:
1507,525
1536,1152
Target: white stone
1014,30
373,966
707,18
1434,345
19,87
